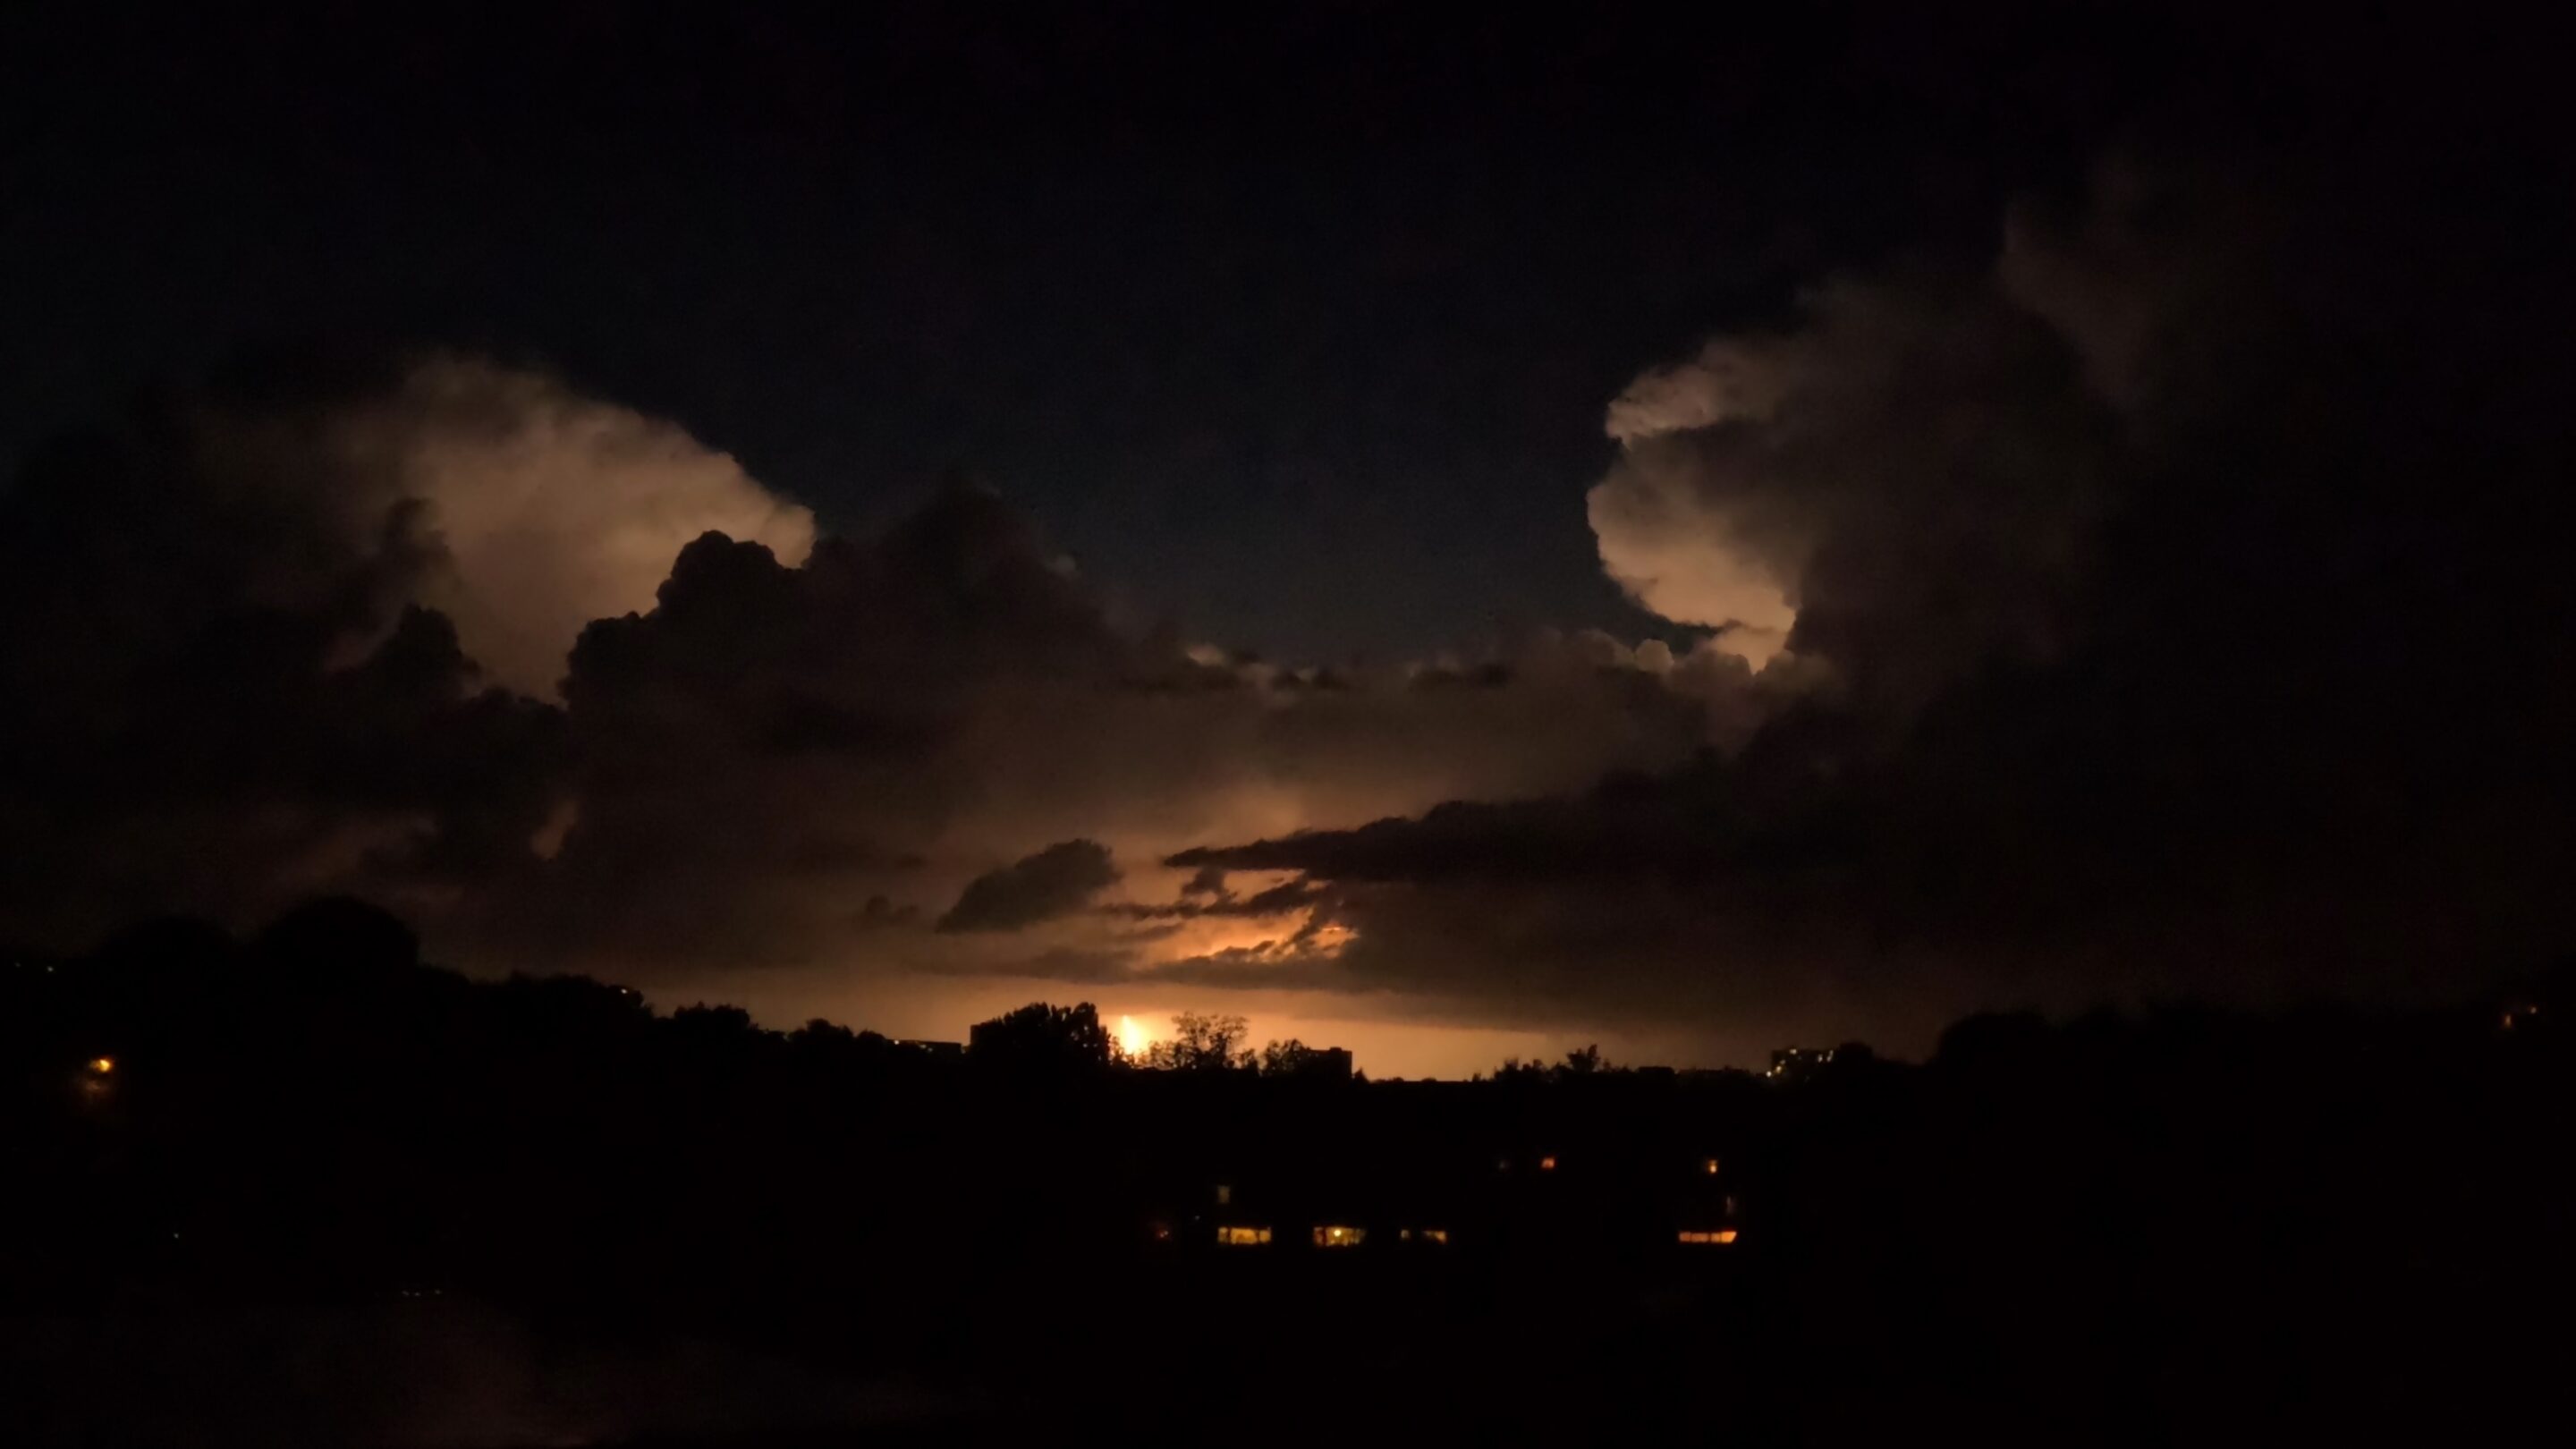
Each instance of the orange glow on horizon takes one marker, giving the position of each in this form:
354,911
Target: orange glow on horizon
1133,1040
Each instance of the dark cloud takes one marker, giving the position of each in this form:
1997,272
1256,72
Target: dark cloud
1621,827
238,679
908,708
2182,607
219,698
1205,894
1057,881
2174,597
881,913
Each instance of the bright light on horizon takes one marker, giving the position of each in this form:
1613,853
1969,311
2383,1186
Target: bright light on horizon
1132,1039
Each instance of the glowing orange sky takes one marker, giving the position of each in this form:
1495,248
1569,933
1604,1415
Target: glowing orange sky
1381,1043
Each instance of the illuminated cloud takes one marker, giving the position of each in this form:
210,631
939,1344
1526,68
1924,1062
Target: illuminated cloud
538,509
753,764
1824,487
2182,623
1680,547
2165,607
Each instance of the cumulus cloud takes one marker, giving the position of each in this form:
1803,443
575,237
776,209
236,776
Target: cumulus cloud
2175,604
2185,616
1057,881
191,728
752,763
539,509
290,630
303,628
1822,488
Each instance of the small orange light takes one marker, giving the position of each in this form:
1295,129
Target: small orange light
1547,1164
1709,1166
102,1065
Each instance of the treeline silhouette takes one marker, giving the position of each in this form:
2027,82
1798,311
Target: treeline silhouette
2183,1223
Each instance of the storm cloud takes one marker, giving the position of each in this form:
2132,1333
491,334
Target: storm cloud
1057,881
2181,614
224,693
2171,599
249,625
549,509
907,715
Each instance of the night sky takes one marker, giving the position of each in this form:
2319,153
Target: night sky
1443,534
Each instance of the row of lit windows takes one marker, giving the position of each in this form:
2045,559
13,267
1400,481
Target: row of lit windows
1328,1235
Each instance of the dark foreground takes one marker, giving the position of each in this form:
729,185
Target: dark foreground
321,1195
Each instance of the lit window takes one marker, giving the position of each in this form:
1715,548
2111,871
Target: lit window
1707,1235
1224,1194
1547,1164
1435,1235
1234,1237
1340,1237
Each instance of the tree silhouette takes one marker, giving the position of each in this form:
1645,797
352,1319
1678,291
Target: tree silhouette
1045,1037
1203,1044
1293,1058
340,936
1583,1061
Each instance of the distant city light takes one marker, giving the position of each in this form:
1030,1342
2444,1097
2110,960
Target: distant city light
102,1065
